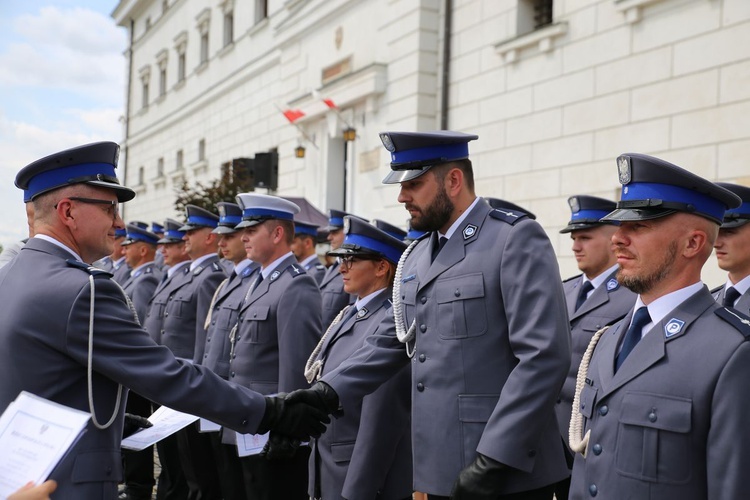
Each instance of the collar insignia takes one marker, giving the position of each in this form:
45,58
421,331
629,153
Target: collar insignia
469,231
673,327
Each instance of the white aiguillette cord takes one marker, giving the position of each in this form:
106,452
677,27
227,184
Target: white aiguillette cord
577,443
314,367
403,333
90,368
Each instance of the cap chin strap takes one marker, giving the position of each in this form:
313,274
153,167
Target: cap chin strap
314,366
90,364
405,334
577,443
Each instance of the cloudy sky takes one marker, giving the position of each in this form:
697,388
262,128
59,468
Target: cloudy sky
62,84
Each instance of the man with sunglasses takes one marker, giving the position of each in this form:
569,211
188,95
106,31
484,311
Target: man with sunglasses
69,335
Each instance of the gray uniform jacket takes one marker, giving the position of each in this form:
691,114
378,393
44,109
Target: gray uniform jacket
162,295
318,272
120,272
278,328
742,305
44,303
224,314
140,288
333,295
366,453
104,263
10,252
186,310
672,423
492,352
610,302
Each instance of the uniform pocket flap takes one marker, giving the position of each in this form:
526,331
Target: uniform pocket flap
183,295
593,323
232,302
97,466
475,407
257,313
657,411
409,292
588,400
469,286
342,452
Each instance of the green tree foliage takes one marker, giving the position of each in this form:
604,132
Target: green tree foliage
232,182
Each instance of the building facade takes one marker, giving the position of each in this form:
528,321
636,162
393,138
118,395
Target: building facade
556,89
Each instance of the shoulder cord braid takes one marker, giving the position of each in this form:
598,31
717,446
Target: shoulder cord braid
578,444
90,368
314,367
405,334
233,332
213,303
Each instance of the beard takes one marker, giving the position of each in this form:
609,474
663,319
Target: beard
644,284
436,215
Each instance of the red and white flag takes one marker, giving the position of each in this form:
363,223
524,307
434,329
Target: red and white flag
293,114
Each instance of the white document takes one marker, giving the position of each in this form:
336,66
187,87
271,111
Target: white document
35,434
208,426
250,444
166,422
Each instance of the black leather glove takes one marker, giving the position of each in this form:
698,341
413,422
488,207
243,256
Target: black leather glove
482,480
134,423
320,396
279,447
296,420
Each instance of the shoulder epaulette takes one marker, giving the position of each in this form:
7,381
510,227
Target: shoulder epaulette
94,271
320,267
508,216
572,278
735,318
296,270
716,290
215,267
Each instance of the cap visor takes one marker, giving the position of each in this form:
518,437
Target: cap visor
396,176
633,214
167,241
249,223
224,230
585,225
732,223
123,193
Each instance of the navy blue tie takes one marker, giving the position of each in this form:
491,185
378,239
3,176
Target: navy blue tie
640,319
583,293
436,250
731,296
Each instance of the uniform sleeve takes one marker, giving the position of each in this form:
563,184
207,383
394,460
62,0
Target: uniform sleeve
371,365
299,328
539,338
728,443
124,353
203,304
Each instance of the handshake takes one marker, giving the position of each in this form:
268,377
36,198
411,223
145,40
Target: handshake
296,417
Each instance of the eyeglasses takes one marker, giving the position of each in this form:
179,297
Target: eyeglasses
113,209
347,261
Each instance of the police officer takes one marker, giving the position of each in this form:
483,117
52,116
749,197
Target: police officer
171,484
158,230
278,327
332,286
475,306
115,263
140,248
303,248
70,336
367,452
389,229
732,249
663,402
222,317
595,298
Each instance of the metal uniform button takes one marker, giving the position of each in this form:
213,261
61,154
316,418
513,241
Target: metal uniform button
232,374
422,357
422,328
457,292
603,410
593,490
420,387
597,449
423,300
652,417
244,423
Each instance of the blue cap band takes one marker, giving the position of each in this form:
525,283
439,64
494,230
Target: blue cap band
588,215
392,254
120,232
703,203
202,221
174,234
300,229
260,213
230,220
61,176
142,237
336,221
743,209
439,153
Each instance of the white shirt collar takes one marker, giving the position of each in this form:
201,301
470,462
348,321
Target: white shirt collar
134,271
52,240
271,267
308,260
360,303
458,221
173,269
200,260
665,304
741,286
242,266
602,276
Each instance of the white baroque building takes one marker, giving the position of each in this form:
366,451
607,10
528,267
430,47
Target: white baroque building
555,89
